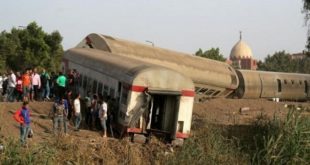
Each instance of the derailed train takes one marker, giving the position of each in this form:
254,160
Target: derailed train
211,78
154,88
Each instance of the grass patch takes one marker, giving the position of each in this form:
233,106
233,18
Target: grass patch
14,153
208,146
282,141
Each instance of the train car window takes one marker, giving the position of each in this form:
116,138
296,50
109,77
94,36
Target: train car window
292,81
89,84
210,92
216,93
124,95
119,87
300,82
279,85
95,86
285,82
80,78
202,90
84,82
105,90
306,86
233,79
112,92
100,85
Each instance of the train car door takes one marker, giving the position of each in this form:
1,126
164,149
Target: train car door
164,113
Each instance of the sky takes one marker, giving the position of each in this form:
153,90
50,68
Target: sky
267,25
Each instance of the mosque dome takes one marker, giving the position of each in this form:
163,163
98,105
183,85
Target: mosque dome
241,50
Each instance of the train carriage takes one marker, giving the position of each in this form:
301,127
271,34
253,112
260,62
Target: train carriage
212,78
262,84
150,98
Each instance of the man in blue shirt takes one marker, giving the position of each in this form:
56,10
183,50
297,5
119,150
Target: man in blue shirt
24,122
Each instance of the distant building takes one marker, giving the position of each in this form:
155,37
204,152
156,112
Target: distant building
298,56
241,56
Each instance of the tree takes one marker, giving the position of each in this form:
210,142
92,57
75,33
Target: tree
279,61
306,11
282,62
30,47
213,53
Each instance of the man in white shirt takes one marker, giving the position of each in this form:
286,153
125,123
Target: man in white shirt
103,115
11,86
1,82
36,83
77,112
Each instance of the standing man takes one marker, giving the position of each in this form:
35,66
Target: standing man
103,116
36,84
60,113
61,85
45,78
19,87
26,85
77,112
88,106
11,86
1,82
23,117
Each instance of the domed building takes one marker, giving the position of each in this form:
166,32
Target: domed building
241,56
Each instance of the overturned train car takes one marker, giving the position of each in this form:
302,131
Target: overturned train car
211,78
150,99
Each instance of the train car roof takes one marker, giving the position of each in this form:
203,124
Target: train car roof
121,67
274,73
120,46
216,73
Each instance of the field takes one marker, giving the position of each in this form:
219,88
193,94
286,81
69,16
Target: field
223,132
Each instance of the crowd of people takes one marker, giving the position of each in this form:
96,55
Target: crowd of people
90,112
31,85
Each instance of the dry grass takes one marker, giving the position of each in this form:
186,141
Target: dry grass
266,141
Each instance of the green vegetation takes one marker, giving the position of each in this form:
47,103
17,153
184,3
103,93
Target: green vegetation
306,11
30,46
213,53
15,154
286,142
282,62
208,146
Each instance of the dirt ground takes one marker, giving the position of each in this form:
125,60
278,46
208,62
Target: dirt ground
216,111
242,111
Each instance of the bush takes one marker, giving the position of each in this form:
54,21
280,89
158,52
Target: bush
208,146
14,153
283,142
